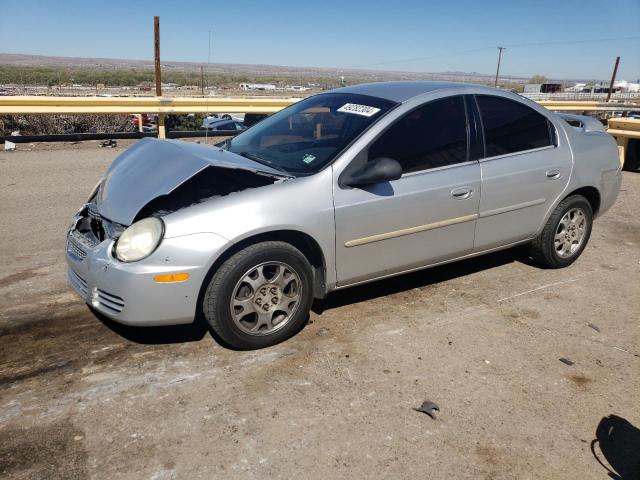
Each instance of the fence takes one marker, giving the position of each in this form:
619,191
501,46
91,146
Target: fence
576,96
623,129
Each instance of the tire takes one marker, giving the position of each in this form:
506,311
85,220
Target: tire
551,252
271,286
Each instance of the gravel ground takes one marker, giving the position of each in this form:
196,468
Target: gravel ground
83,398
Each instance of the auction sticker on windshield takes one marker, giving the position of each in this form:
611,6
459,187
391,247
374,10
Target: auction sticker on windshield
364,110
308,158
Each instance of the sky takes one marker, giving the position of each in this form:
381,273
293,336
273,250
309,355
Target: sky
555,38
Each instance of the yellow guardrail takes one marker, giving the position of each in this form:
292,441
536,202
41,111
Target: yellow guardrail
10,105
60,105
91,105
624,129
588,106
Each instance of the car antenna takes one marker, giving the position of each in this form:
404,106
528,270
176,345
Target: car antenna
206,115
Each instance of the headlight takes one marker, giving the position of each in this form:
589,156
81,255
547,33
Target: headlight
139,240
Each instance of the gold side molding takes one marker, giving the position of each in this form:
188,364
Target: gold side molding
411,230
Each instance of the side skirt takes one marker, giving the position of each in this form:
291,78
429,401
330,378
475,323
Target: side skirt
444,262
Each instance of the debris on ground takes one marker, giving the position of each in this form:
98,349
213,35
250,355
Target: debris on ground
595,327
322,332
429,408
9,146
566,361
109,144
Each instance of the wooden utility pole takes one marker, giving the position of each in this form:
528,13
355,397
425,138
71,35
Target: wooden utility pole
500,49
156,50
613,78
202,79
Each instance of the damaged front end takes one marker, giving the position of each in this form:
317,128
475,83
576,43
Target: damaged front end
209,183
157,177
89,229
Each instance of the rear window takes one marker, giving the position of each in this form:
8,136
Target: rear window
510,126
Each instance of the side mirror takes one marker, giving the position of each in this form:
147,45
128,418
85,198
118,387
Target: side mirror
378,170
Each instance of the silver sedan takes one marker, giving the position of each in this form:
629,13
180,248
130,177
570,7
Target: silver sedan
341,188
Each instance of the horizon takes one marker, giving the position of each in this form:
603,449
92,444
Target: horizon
412,38
137,63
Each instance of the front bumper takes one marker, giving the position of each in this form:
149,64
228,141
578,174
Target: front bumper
127,292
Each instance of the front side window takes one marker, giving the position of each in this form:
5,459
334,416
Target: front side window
310,134
510,126
433,135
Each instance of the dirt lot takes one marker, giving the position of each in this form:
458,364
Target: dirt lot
82,398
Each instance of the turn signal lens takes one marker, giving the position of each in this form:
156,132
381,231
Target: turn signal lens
171,278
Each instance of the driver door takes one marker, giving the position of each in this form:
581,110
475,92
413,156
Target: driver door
426,216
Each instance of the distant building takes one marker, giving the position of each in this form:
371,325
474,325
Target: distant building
542,87
625,86
257,86
577,88
601,88
297,88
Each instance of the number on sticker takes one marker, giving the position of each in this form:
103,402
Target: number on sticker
364,110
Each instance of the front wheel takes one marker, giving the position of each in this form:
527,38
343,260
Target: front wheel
260,296
565,234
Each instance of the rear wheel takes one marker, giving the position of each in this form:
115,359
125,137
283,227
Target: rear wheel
260,296
565,234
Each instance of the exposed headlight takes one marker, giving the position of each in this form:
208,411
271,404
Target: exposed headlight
139,240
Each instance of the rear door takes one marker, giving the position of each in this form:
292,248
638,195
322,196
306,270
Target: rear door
524,171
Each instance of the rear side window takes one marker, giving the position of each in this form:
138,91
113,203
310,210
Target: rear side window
511,127
433,135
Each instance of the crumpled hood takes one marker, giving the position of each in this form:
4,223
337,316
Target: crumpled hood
151,168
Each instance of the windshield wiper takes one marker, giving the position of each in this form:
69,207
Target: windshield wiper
262,161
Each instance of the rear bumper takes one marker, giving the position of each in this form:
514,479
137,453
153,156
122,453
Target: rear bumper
127,292
611,183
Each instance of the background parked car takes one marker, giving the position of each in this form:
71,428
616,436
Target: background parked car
222,124
144,117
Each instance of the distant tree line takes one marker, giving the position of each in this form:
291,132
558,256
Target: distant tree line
122,77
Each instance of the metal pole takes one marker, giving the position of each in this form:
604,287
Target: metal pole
500,49
613,78
202,79
156,49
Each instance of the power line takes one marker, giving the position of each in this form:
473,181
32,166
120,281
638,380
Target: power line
572,42
512,45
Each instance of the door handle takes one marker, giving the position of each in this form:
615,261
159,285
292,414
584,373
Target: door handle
553,173
462,193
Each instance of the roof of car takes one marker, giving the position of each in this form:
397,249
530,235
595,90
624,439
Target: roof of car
400,91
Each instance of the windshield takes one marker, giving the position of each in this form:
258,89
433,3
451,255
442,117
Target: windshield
308,135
